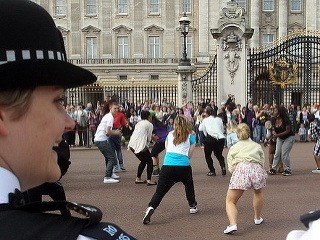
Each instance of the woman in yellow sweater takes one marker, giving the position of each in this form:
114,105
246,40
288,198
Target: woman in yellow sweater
246,163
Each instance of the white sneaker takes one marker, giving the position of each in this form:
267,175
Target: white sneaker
193,210
258,221
110,180
114,176
316,171
147,216
230,229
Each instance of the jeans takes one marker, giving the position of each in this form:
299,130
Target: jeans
170,175
261,133
283,148
109,156
115,142
216,146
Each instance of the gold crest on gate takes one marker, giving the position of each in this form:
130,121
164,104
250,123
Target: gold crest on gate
283,72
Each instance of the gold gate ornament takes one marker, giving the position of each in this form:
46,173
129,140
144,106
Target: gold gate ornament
283,73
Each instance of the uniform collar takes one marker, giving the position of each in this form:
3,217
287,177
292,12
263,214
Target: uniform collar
9,182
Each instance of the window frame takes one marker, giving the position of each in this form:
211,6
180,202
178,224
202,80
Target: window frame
94,48
186,6
63,6
123,47
267,35
264,2
122,5
153,3
91,5
154,50
292,4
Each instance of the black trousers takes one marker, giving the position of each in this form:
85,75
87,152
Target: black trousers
145,160
170,175
216,146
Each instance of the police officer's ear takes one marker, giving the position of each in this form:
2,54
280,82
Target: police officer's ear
4,120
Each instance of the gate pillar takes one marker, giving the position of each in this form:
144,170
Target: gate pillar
232,37
184,84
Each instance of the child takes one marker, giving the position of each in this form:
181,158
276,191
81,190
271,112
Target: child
170,124
302,133
232,137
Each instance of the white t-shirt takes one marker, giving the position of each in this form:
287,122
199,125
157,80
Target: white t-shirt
106,121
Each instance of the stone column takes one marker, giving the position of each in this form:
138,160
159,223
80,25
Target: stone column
203,28
255,10
184,84
283,17
311,14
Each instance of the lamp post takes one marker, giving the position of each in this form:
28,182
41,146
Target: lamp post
184,28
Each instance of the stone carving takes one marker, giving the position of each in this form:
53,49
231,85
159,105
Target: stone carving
231,41
233,59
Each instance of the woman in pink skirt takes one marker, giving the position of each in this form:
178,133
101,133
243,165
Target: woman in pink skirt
246,163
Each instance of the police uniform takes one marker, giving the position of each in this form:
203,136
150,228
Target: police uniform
30,221
311,221
32,54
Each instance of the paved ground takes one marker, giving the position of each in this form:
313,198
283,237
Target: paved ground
286,198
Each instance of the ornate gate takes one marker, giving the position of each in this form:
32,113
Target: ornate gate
204,86
286,72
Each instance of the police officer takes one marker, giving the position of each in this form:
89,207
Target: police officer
34,74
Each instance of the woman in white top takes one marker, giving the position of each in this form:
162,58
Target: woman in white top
180,144
139,145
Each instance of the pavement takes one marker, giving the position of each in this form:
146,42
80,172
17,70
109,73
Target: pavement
124,203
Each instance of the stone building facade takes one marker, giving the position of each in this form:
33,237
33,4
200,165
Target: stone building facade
140,40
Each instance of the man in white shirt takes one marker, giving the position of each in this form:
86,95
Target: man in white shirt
213,129
101,139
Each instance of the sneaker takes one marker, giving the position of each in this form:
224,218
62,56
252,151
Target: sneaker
148,214
272,171
156,172
114,176
230,229
286,173
193,210
116,169
211,173
122,167
110,180
258,221
316,171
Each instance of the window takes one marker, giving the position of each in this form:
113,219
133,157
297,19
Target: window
186,6
123,47
154,6
123,77
188,46
267,39
92,51
60,8
296,5
242,3
154,47
154,77
123,6
268,5
91,7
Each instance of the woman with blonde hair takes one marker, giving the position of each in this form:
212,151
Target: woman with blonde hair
180,144
246,163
